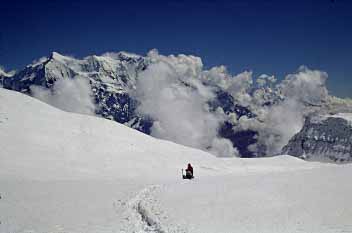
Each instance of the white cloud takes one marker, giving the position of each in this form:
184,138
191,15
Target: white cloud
223,148
307,86
277,123
72,95
264,80
171,92
3,72
280,124
239,86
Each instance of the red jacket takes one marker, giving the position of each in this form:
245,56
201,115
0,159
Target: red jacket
190,168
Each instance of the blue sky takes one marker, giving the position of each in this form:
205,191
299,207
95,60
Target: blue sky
266,36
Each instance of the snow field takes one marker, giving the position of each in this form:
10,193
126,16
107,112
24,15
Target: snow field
64,172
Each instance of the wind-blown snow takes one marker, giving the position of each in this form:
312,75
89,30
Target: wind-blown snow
346,116
64,172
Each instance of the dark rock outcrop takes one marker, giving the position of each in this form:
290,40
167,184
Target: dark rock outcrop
327,139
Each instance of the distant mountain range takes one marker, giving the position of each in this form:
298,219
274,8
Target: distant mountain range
112,79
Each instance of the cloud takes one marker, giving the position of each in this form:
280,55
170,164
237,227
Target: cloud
223,148
171,92
279,123
308,86
71,95
5,73
176,90
297,96
239,87
264,80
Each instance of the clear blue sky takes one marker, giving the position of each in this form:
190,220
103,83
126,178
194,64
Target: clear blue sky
266,36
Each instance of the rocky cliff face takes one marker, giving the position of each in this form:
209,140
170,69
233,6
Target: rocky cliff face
110,77
326,138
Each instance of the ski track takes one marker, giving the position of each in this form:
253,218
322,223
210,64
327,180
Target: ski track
143,214
139,214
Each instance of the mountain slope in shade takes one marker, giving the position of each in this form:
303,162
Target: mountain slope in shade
64,172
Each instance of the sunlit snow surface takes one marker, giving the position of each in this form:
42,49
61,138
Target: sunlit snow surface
63,172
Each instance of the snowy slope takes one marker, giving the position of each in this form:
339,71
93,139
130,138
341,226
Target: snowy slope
64,172
43,143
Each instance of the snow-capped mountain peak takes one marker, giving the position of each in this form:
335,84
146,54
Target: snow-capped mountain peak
59,57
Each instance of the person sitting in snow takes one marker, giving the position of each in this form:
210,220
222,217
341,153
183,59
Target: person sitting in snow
189,171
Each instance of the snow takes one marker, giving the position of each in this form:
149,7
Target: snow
5,74
58,57
346,116
304,201
320,118
65,172
116,55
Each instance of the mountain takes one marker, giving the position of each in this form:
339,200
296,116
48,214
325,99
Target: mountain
326,138
67,172
112,79
254,118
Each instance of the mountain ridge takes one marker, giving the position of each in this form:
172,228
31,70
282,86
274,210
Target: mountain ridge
244,107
